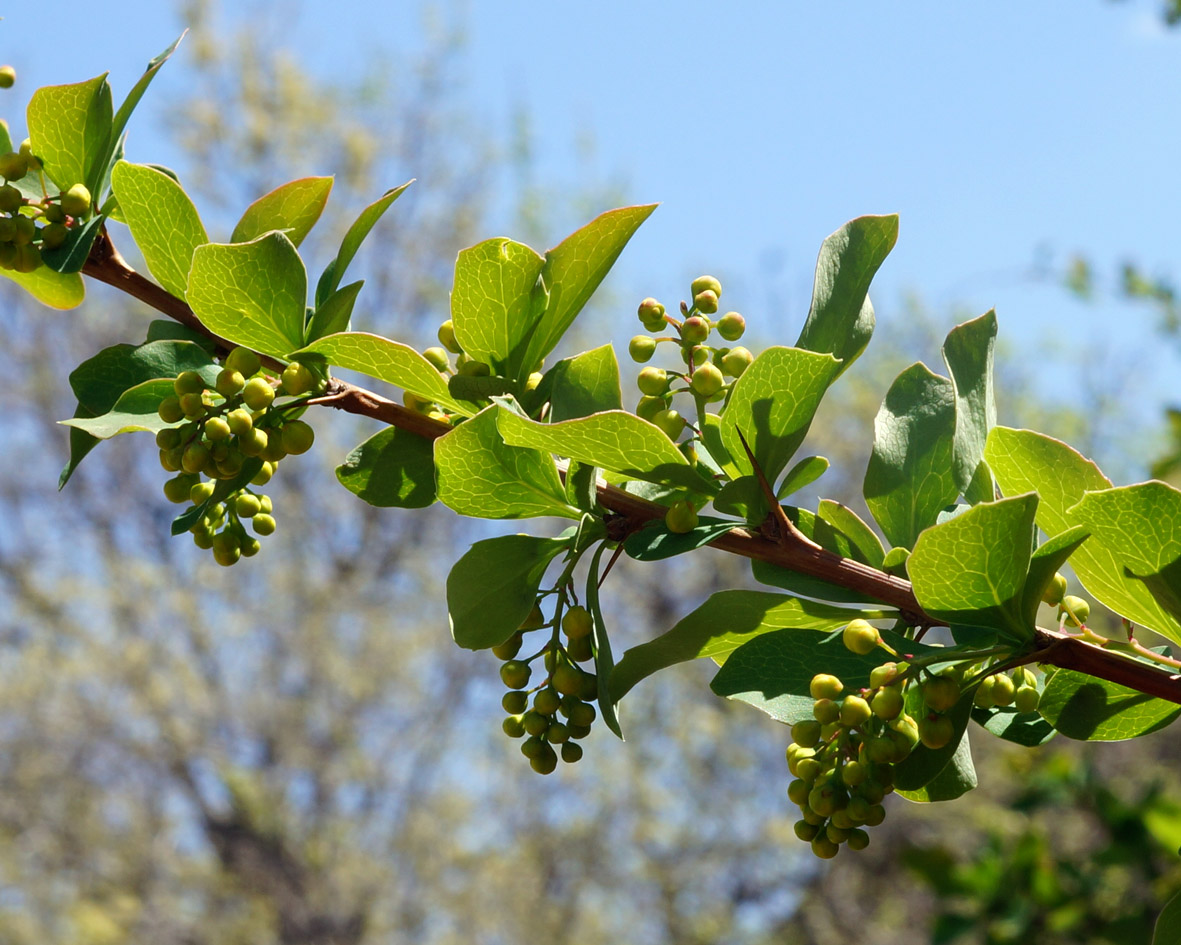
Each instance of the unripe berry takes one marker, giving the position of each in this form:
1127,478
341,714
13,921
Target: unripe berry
194,458
731,326
681,517
226,548
736,361
567,679
13,166
547,701
297,437
825,711
188,382
650,311
11,199
1026,699
230,383
168,438
652,381
297,379
545,762
1075,610
217,429
706,284
858,839
571,752
983,695
649,407
253,441
853,773
7,77
514,702
806,831
266,503
76,200
695,330
263,476
699,355
534,620
854,711
53,235
825,686
514,674
244,361
670,422
535,723
50,212
438,358
935,731
258,393
532,747
263,524
904,730
887,704
1056,590
447,337
202,538
239,421
641,348
273,450
581,714
28,257
806,733
706,302
861,637
940,693
247,505
707,380
200,492
507,650
512,726
170,410
1003,690
577,622
177,489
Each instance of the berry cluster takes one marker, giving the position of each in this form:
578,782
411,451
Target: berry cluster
217,430
566,692
27,226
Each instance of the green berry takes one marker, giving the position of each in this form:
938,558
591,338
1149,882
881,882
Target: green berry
53,235
731,326
567,679
547,701
76,201
7,77
705,284
652,381
825,686
170,410
25,230
253,441
13,165
244,361
797,792
273,449
935,731
297,437
670,422
1026,699
858,839
535,723
825,711
571,752
28,258
861,637
230,383
217,429
887,704
168,438
11,199
258,393
534,620
194,458
706,302
580,649
983,695
649,407
515,674
298,379
582,714
806,733
532,747
546,762
854,711
1055,590
1003,690
200,492
940,693
226,548
650,311
695,330
438,358
577,622
514,702
641,348
177,489
699,355
1075,610
508,649
51,212
447,337
240,422
736,361
707,380
188,382
247,505
263,524
512,726
472,368
681,517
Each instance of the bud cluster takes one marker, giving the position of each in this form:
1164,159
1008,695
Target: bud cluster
567,691
216,429
27,227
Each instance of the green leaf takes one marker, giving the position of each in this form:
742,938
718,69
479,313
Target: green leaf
165,329
61,290
251,293
726,621
81,443
1022,461
1140,526
71,256
772,670
1089,709
584,384
1021,728
69,126
910,477
333,314
99,381
711,437
772,405
574,269
841,318
389,361
918,777
163,221
1167,930
582,486
655,542
293,208
615,440
1044,564
334,273
604,663
492,588
494,303
968,353
863,544
972,568
391,469
134,411
480,475
803,473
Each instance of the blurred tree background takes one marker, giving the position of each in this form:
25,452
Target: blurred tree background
294,752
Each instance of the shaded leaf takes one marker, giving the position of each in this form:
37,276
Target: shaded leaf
968,353
334,313
331,278
391,469
604,662
1090,709
654,541
134,411
803,473
863,544
584,384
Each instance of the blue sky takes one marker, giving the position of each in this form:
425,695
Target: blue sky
1001,133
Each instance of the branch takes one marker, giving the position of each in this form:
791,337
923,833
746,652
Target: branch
790,550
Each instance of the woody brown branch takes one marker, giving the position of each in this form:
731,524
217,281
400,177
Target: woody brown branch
786,550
